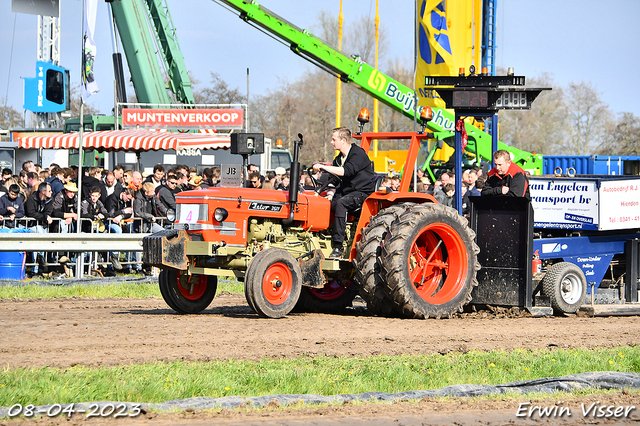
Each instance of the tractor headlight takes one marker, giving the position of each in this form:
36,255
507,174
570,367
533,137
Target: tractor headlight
220,214
171,215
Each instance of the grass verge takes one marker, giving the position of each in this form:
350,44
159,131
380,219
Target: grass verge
162,381
99,291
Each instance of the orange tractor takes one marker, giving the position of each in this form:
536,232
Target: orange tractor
405,253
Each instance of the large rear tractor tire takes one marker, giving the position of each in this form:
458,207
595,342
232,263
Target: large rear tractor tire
566,286
187,294
367,260
429,262
334,297
272,283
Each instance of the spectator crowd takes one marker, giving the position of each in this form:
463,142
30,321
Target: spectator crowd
114,201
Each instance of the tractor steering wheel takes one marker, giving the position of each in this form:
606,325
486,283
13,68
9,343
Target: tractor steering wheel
319,188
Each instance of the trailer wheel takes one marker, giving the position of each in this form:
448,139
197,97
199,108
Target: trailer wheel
566,286
367,260
273,282
429,262
332,298
187,294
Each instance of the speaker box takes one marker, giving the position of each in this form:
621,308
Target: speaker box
247,143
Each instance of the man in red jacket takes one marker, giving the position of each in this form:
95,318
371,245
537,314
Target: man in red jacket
506,178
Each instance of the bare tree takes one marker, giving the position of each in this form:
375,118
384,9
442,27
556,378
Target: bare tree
543,128
588,117
75,98
10,117
219,93
623,137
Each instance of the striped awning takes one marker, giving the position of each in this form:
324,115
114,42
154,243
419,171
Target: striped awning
128,140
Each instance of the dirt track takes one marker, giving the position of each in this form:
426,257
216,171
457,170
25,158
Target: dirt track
93,332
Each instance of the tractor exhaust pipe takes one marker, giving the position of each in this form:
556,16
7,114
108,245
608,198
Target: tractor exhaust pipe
294,180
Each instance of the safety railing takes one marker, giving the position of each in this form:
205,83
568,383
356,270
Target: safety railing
100,237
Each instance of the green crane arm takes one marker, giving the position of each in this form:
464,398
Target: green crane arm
148,82
168,41
133,20
352,70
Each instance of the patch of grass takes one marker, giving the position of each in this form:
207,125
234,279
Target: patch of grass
162,381
133,290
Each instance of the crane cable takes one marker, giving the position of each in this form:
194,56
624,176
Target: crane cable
6,96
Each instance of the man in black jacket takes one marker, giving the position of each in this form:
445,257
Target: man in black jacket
92,179
120,208
354,167
506,178
12,207
65,206
145,206
39,206
166,194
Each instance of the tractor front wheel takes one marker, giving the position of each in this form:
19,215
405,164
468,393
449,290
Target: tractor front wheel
429,262
272,283
187,294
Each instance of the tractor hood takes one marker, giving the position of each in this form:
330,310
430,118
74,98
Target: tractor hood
196,211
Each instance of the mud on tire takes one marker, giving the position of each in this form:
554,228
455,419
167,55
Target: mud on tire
429,262
367,257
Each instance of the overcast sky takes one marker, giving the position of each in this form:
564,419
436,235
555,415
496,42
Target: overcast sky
574,40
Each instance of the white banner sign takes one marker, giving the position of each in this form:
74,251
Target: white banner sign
620,204
564,203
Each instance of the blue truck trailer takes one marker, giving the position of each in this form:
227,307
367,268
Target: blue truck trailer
575,246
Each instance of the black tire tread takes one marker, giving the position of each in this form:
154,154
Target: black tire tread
167,282
253,282
367,274
401,292
551,281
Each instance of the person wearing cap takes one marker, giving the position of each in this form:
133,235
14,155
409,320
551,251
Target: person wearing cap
65,206
145,206
194,182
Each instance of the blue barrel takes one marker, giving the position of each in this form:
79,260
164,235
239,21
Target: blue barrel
12,265
12,262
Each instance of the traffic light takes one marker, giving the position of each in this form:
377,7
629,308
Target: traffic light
49,90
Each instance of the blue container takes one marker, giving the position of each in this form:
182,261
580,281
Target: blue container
12,262
12,265
581,164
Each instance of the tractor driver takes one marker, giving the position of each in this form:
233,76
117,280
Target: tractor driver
354,167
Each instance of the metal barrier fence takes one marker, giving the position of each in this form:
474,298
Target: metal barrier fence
87,245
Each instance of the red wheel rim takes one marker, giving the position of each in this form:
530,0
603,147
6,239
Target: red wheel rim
331,291
186,282
438,263
277,283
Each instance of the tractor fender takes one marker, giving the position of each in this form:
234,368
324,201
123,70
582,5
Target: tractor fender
378,201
